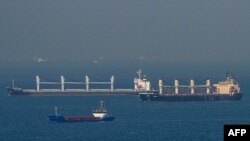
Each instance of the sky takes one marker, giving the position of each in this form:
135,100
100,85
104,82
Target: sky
43,33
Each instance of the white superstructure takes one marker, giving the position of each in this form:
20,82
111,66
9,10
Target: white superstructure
141,84
229,86
102,112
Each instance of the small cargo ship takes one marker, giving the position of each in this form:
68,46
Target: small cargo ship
227,90
100,114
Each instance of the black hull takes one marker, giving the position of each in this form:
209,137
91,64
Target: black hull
189,97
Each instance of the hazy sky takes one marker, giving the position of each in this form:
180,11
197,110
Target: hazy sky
96,31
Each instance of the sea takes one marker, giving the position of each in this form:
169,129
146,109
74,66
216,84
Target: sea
25,118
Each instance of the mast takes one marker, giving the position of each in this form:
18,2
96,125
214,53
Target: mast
139,73
101,105
228,75
13,83
56,111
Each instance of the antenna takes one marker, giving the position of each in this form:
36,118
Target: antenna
56,112
13,83
139,73
227,74
101,104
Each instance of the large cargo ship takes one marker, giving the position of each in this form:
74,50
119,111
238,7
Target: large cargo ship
227,90
100,114
140,84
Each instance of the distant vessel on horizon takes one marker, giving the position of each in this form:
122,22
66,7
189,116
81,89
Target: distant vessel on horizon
100,114
227,90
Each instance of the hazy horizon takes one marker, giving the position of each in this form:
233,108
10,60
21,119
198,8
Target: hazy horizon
176,37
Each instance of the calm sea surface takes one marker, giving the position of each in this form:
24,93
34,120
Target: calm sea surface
24,118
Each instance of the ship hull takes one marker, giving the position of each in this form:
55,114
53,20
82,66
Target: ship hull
189,97
60,119
20,92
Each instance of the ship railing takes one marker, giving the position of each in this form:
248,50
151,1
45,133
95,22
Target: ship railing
125,90
29,90
50,90
42,90
100,83
100,111
78,90
184,86
181,94
75,90
80,83
168,86
56,83
146,93
200,86
100,90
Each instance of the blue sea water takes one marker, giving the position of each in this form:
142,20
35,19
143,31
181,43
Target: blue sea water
24,118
